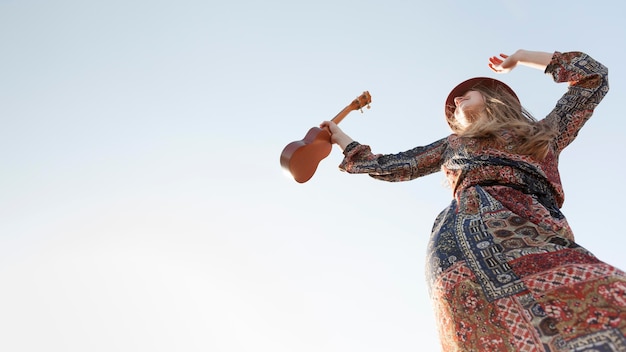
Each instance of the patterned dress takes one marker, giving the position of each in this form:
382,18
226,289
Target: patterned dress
504,271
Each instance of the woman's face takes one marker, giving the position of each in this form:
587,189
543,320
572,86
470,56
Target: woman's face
468,107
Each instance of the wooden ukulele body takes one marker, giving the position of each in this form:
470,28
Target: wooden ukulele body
301,158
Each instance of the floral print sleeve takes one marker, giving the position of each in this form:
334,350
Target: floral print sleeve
588,84
402,166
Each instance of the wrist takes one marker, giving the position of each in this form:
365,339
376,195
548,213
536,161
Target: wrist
521,56
343,141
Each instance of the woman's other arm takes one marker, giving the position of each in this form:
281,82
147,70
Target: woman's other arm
587,85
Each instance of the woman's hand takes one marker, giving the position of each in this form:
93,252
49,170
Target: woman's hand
502,64
337,136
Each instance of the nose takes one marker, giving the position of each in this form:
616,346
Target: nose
457,100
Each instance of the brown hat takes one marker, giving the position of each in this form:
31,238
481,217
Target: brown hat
463,87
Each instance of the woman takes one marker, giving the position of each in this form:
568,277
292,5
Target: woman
504,271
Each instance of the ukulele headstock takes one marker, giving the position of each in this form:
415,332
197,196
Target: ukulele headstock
361,101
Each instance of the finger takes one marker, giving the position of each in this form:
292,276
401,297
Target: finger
495,60
504,55
496,68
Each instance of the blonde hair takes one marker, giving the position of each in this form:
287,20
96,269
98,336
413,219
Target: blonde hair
503,113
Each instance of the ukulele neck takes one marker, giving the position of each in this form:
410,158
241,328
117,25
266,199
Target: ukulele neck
358,103
343,113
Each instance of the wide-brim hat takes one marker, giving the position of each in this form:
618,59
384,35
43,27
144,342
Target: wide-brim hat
463,87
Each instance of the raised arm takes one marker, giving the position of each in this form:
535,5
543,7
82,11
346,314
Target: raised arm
587,85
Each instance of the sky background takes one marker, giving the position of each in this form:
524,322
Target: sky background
142,202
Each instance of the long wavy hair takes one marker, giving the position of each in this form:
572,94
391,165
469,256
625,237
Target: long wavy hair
503,113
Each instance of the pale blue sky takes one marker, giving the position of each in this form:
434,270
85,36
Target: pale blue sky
143,207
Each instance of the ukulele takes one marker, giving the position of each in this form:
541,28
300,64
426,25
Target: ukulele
301,158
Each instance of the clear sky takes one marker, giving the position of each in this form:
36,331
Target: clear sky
142,203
